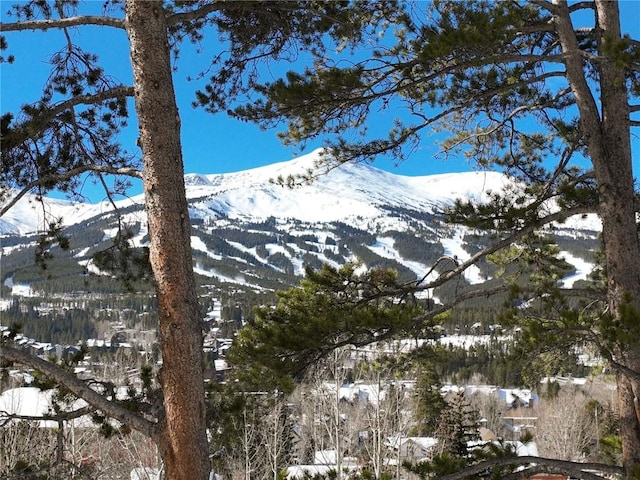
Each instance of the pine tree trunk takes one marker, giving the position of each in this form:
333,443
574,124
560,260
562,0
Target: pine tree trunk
614,174
608,135
182,434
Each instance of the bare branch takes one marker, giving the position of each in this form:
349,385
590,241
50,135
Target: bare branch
619,366
127,171
587,5
544,4
574,57
77,21
575,469
81,390
532,470
46,471
57,417
196,14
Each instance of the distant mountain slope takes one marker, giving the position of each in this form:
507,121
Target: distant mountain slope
251,231
347,193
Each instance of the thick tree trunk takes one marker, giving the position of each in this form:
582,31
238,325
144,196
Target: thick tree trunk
614,174
608,135
182,435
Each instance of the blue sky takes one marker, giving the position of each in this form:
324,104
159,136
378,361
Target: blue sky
211,143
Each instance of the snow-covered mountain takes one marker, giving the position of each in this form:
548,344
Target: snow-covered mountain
346,193
349,193
250,229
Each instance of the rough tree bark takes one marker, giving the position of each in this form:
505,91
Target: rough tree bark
181,432
608,134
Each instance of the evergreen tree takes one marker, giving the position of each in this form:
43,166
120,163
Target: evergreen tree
457,426
332,308
546,91
429,402
72,130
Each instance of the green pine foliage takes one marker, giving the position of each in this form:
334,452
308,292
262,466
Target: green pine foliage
331,308
457,426
459,444
430,402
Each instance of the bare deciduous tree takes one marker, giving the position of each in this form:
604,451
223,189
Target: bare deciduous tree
565,428
491,410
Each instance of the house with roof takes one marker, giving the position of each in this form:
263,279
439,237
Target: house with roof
411,449
518,397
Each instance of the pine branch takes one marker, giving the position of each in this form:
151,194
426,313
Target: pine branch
575,469
81,390
127,171
35,126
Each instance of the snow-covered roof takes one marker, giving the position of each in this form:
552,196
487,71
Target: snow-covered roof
425,443
306,471
510,395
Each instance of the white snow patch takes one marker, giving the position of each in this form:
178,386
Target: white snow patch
583,269
82,253
33,402
199,245
109,234
91,268
19,289
384,247
276,248
453,248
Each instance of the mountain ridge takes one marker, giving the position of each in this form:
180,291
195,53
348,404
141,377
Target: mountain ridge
353,188
248,229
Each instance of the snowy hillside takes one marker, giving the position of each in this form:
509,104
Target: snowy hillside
346,193
30,216
350,192
247,229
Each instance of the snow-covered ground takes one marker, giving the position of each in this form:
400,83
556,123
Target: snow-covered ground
453,248
583,269
33,402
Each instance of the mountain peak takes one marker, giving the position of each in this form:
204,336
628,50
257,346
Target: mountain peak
268,231
355,193
196,180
